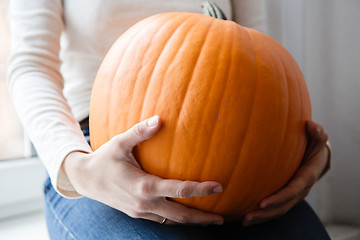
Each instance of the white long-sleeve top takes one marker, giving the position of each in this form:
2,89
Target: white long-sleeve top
56,49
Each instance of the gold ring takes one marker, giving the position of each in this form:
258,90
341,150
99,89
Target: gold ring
163,221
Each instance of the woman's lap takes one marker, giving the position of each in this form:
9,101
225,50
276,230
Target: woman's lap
88,219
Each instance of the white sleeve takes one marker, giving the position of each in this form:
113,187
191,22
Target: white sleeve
36,86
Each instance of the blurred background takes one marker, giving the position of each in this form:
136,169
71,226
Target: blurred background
322,35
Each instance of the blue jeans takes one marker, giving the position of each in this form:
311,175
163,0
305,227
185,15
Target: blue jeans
87,219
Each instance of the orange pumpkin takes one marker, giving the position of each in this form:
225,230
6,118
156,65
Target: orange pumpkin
233,103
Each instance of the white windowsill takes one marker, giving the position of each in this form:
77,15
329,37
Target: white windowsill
21,182
28,226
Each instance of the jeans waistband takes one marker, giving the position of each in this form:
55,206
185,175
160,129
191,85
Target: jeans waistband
84,124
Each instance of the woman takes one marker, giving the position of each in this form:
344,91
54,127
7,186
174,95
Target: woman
57,47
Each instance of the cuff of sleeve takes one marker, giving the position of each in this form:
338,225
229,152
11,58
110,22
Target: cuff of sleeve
60,181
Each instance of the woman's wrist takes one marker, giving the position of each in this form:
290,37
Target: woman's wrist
73,166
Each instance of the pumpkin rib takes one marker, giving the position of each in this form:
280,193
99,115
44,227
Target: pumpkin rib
163,99
186,92
239,153
165,74
290,98
205,110
114,73
220,103
297,98
204,121
303,114
118,70
146,95
284,78
154,107
214,206
136,84
187,85
284,139
258,48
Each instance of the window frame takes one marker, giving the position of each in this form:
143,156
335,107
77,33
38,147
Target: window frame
21,178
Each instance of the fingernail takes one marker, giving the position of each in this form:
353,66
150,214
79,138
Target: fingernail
217,189
152,122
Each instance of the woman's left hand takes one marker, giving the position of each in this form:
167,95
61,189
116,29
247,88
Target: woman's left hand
313,164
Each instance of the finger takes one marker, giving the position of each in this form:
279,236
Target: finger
264,215
184,189
153,186
316,133
294,190
148,216
315,130
153,217
140,132
179,213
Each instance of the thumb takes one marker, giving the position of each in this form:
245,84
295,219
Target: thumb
317,138
140,132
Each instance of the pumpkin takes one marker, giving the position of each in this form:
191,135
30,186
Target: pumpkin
233,104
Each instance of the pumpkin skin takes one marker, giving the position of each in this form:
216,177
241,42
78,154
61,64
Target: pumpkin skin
233,104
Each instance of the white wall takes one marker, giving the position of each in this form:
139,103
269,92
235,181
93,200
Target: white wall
332,68
324,35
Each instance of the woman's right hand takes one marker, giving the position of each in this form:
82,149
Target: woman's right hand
112,175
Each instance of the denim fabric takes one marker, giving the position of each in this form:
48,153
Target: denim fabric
88,219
